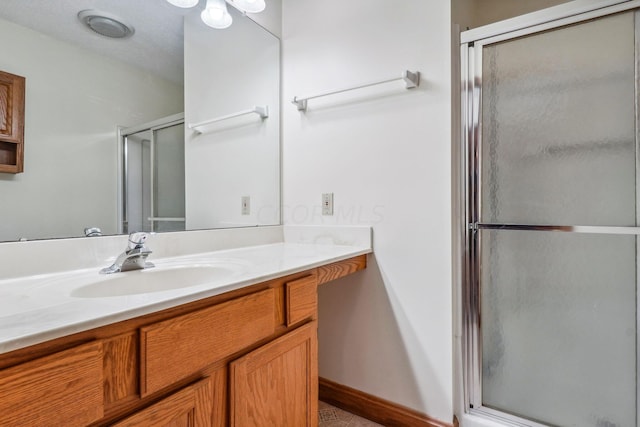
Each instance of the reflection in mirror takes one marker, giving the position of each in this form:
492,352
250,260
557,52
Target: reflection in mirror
153,176
82,88
227,72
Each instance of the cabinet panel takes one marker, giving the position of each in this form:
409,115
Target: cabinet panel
188,407
176,348
120,368
302,299
277,384
62,389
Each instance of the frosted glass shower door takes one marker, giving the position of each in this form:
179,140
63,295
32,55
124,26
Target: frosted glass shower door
555,240
558,326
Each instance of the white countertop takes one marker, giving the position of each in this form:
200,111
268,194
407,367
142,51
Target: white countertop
38,308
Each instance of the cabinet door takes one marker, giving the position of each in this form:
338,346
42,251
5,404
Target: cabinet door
277,384
11,107
191,406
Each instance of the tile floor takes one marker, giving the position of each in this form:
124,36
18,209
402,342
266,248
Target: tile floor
330,416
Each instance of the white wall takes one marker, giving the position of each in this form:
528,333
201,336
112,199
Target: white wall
385,154
228,71
271,17
75,99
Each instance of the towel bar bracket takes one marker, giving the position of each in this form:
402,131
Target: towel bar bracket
411,80
301,104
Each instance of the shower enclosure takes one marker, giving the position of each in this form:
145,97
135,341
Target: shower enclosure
153,176
551,219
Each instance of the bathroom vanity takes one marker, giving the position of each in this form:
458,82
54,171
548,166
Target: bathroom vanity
244,356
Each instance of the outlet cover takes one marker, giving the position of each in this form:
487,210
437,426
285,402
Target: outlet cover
327,203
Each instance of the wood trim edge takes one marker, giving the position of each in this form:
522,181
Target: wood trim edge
374,408
339,269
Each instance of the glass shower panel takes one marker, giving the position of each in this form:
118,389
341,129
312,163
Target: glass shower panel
169,179
558,126
138,182
558,316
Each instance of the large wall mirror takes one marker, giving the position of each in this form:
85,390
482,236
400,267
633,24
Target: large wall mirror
84,89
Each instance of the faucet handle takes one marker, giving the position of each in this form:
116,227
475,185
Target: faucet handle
137,239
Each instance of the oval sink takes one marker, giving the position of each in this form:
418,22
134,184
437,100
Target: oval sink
154,280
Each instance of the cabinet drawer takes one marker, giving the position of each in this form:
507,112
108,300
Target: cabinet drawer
62,389
302,299
176,348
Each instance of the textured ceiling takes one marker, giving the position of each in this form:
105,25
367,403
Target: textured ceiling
156,46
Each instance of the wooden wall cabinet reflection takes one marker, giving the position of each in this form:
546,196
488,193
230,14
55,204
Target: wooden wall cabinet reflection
12,97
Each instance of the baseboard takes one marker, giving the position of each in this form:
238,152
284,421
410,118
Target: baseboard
373,408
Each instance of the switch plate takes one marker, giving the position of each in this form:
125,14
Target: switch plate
327,203
246,205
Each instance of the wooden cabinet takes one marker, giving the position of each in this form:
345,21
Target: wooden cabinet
243,358
277,384
12,96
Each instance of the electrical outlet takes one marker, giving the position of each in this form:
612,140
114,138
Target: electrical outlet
327,203
246,205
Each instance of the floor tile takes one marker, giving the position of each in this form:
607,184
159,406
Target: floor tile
330,416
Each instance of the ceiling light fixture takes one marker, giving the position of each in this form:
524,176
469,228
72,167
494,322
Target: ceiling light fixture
105,24
184,3
216,14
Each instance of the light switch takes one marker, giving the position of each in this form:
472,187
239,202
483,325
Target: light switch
246,205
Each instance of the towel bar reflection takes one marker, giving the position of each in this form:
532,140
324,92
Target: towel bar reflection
166,218
262,111
411,80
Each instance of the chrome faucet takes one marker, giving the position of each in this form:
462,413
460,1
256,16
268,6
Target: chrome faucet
134,257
